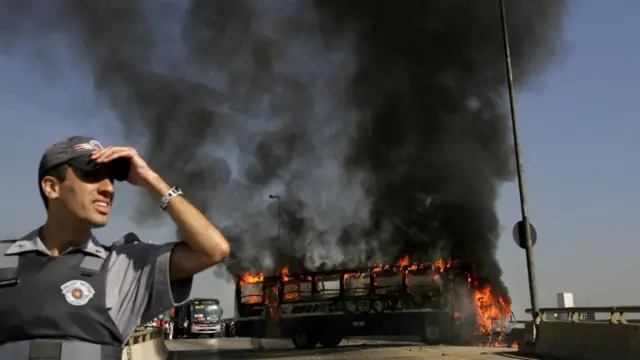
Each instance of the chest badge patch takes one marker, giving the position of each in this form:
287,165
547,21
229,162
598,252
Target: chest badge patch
77,292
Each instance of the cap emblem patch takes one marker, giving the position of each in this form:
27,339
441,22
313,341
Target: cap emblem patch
93,145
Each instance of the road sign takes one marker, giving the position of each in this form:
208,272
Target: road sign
520,238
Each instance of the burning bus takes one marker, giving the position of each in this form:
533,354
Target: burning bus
434,301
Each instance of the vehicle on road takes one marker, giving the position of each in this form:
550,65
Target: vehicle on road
198,317
327,306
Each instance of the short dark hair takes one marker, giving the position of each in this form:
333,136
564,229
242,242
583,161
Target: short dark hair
59,173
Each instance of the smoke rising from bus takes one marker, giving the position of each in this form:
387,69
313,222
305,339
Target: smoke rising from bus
382,126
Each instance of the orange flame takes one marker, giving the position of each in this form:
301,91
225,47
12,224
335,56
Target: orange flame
247,278
493,314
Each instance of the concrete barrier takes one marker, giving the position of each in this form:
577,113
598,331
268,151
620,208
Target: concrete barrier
588,341
146,345
577,339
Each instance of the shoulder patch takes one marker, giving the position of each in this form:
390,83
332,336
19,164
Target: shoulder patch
77,292
129,238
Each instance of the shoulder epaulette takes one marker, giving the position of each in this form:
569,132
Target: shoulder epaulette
8,264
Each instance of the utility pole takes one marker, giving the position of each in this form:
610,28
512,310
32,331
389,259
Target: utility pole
277,198
523,198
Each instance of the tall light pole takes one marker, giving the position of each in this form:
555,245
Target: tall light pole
277,198
523,198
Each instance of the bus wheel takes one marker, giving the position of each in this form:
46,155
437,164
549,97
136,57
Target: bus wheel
431,335
303,339
330,340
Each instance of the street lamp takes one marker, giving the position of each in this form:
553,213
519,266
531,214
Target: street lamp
523,198
277,198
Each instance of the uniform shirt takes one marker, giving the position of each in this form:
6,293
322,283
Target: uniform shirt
138,285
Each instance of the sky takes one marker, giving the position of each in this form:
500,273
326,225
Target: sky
579,135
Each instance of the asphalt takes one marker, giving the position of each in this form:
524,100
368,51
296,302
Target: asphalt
255,349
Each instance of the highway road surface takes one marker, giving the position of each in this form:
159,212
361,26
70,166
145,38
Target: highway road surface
255,349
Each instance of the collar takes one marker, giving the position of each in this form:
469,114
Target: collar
32,242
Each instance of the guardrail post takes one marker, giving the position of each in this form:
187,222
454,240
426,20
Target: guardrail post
574,316
618,317
623,317
613,317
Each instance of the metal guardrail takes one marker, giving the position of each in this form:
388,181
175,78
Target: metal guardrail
617,314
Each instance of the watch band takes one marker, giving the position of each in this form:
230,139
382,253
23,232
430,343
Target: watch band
166,199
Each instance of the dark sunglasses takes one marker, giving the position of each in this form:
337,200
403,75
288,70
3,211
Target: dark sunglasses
90,171
95,175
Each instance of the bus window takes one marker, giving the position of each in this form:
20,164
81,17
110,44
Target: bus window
296,289
357,284
327,286
388,282
251,293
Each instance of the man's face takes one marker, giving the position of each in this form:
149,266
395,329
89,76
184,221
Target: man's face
86,196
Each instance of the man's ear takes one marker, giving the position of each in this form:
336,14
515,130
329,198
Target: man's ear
50,187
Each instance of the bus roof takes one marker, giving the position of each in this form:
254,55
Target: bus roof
459,268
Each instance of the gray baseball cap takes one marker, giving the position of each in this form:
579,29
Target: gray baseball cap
76,151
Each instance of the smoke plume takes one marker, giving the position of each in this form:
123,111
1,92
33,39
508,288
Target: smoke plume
381,126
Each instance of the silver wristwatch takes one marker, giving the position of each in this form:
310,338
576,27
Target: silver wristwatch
166,199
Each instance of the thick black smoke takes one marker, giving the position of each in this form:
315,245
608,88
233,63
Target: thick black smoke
381,125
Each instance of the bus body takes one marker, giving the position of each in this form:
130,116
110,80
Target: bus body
325,307
198,317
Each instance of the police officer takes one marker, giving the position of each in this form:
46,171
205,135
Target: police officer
64,295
